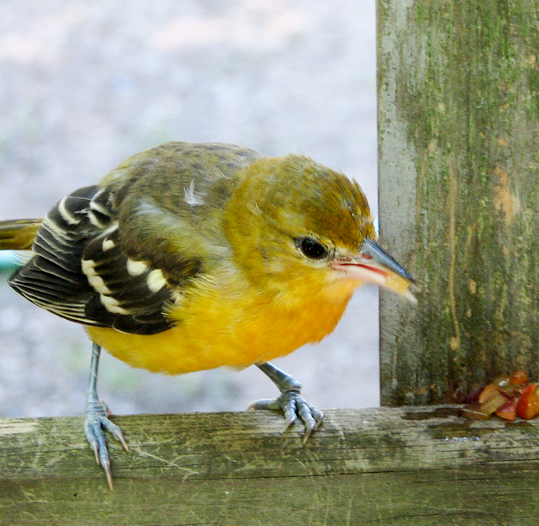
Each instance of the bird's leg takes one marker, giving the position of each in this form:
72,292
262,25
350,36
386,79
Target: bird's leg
96,419
291,403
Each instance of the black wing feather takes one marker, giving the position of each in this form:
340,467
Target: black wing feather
83,227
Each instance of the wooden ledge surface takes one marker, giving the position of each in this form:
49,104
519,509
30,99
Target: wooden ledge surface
391,466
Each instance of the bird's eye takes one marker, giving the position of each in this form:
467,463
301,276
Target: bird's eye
311,248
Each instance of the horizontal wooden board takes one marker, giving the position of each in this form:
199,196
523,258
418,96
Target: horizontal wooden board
399,466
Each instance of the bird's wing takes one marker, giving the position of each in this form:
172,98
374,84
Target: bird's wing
80,272
120,254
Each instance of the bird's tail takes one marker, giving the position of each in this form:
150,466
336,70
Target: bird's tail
18,234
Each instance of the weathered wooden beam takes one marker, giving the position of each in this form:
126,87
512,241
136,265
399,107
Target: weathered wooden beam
420,466
459,187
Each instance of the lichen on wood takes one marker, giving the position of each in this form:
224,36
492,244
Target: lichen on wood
459,189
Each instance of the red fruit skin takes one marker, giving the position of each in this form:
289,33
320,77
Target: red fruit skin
473,397
528,403
508,411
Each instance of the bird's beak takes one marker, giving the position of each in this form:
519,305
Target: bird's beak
374,265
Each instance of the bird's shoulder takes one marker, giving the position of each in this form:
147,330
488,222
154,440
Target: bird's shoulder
169,201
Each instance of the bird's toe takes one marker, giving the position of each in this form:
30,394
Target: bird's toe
96,422
293,406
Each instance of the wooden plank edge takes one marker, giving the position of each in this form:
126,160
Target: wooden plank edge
408,462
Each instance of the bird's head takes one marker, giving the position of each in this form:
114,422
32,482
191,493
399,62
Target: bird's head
297,227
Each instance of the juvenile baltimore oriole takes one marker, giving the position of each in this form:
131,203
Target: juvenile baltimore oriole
194,256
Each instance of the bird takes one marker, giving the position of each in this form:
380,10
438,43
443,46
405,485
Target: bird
193,256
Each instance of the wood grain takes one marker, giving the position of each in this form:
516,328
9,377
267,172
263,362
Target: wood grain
459,186
421,465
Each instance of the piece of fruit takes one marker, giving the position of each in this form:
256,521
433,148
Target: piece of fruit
473,411
488,391
493,402
518,378
508,411
528,403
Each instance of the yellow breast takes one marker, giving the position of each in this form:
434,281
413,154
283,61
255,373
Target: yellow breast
220,327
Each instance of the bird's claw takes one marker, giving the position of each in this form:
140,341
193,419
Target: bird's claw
96,420
294,406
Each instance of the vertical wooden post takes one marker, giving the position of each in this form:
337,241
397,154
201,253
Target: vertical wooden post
459,191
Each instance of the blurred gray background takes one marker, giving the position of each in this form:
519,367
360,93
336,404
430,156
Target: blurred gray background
84,84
